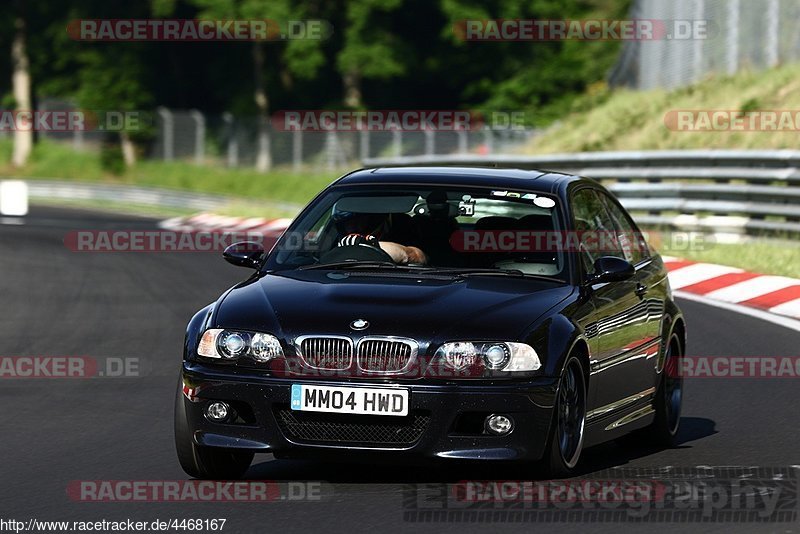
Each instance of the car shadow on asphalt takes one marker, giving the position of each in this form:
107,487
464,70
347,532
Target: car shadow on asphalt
619,453
596,459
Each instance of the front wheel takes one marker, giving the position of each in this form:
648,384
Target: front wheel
566,442
206,462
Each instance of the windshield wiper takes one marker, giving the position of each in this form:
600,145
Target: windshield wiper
467,271
461,272
351,264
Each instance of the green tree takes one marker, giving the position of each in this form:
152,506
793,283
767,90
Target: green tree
115,82
21,82
297,57
541,77
97,76
371,48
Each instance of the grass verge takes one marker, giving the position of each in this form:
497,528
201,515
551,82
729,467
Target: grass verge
622,119
60,161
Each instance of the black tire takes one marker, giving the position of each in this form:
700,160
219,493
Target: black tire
569,421
206,462
669,398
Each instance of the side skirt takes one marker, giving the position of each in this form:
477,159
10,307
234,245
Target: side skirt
620,418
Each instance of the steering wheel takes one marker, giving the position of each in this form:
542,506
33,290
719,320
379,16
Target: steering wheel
355,252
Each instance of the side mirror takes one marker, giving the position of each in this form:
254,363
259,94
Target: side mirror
244,254
611,269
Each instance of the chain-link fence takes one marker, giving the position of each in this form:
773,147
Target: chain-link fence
238,142
754,34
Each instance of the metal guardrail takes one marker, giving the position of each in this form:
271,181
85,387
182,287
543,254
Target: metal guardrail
145,196
716,191
135,195
643,158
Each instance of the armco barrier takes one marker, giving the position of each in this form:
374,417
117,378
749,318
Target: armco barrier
718,191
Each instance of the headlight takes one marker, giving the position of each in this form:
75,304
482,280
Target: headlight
234,344
505,357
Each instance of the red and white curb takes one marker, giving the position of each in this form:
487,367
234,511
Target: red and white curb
207,222
775,294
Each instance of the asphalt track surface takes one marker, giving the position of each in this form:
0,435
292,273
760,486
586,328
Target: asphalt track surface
135,305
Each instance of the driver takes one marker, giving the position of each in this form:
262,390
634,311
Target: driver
366,229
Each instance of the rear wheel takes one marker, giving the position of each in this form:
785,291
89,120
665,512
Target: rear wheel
566,442
669,398
206,462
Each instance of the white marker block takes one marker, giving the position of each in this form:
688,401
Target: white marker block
13,198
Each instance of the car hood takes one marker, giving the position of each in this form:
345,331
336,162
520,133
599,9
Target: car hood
425,307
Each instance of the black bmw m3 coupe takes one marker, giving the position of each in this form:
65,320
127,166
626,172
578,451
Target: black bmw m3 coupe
436,313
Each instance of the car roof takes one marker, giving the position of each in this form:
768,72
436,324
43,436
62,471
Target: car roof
534,180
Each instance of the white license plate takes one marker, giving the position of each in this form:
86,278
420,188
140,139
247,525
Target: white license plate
367,401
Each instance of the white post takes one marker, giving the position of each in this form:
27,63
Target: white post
397,142
199,136
77,139
733,36
462,141
330,150
233,142
297,150
773,29
652,54
264,154
167,132
488,136
699,44
430,143
364,148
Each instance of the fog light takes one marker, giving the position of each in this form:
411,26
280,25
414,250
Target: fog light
499,424
217,412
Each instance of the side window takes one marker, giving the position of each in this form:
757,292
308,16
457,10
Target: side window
594,227
630,238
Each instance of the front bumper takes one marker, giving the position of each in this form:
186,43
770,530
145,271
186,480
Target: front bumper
453,415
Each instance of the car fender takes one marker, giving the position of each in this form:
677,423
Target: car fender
672,316
554,339
197,325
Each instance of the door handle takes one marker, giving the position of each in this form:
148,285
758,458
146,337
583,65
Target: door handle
641,290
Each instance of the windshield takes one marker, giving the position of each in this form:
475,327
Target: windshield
457,230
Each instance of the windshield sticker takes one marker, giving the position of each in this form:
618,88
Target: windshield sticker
544,202
466,208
